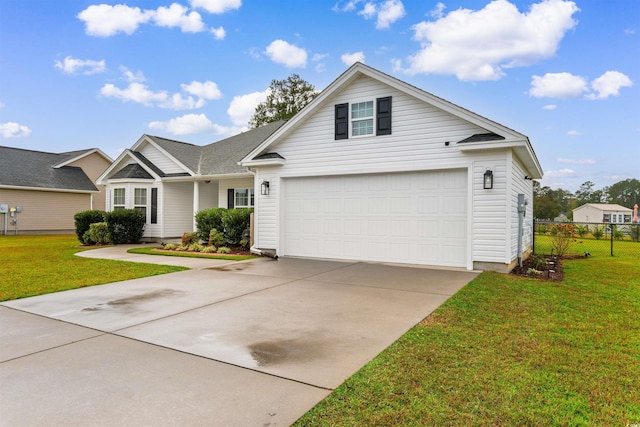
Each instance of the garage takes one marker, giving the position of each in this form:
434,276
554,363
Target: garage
414,217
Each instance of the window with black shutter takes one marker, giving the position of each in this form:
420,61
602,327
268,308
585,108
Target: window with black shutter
342,121
154,206
231,198
383,116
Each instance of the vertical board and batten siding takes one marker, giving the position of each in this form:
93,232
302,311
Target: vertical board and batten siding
520,186
266,215
225,184
177,206
417,143
164,163
44,210
489,235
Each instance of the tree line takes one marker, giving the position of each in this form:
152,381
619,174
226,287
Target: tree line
549,203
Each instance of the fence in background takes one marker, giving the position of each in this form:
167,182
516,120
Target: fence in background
595,239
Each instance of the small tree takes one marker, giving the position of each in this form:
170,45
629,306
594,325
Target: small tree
562,238
285,99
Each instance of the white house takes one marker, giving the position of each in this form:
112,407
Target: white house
602,213
373,169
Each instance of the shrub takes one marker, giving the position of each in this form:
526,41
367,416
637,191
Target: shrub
216,238
125,225
207,220
99,233
86,238
597,232
83,221
235,222
538,261
617,234
195,247
542,229
170,247
182,248
209,250
562,238
582,230
224,250
189,238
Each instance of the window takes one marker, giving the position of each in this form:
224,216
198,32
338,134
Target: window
244,198
140,201
118,198
362,118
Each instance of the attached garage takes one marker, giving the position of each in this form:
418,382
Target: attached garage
414,217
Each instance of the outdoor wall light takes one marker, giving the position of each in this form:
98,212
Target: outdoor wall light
264,188
488,180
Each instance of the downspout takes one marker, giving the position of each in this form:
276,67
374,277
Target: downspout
522,209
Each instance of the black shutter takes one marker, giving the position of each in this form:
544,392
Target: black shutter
383,116
231,198
342,121
154,206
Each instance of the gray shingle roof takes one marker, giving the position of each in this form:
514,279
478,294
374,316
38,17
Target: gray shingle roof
133,170
26,168
482,137
185,153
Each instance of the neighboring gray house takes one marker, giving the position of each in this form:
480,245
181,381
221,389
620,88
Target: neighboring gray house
373,169
49,188
603,213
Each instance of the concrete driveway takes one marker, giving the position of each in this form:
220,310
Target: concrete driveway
252,343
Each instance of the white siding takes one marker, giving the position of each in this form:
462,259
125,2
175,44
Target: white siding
208,195
164,163
520,186
266,212
489,235
417,142
177,208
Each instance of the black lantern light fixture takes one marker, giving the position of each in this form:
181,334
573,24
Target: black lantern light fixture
264,188
488,179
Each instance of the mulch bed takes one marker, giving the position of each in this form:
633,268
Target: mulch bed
235,251
551,270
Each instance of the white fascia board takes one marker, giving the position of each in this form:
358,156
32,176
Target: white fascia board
263,162
85,154
522,149
126,153
55,190
145,138
206,177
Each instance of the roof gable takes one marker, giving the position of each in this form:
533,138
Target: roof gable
37,169
507,138
605,207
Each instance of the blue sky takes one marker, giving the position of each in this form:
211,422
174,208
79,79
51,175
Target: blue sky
83,74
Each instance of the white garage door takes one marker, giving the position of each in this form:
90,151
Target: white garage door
416,218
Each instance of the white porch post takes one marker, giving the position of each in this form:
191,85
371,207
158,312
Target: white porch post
196,202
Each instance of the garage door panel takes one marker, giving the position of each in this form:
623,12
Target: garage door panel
406,217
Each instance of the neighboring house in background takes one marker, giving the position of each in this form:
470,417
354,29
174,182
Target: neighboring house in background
49,187
373,169
602,213
171,180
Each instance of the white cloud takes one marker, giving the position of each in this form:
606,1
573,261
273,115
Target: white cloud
350,6
204,90
479,45
14,130
140,93
574,133
349,59
559,173
550,107
176,16
609,84
567,85
576,162
438,11
218,33
558,85
132,77
242,107
216,6
629,31
105,20
83,66
189,124
386,13
287,54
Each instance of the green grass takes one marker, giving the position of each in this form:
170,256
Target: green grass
152,251
602,247
34,265
509,351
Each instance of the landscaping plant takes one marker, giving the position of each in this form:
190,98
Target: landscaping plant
125,225
207,220
83,220
562,238
235,222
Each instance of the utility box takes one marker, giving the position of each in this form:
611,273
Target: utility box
4,208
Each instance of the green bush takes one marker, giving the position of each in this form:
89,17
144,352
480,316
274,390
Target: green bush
209,250
195,247
170,247
235,222
207,220
216,238
597,232
86,238
99,233
582,230
125,225
617,234
224,250
84,219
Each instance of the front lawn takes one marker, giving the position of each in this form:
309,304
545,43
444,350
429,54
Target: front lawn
34,265
509,351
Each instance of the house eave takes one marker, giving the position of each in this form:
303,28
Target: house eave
206,177
522,148
88,153
55,190
263,162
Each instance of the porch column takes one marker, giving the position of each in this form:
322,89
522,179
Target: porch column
196,202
